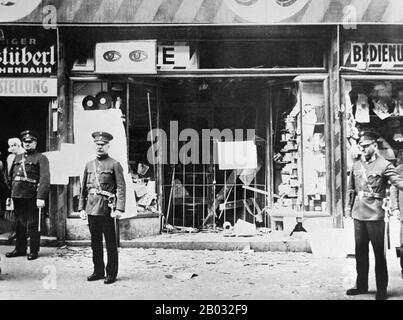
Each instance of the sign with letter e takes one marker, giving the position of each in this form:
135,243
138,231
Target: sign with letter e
173,57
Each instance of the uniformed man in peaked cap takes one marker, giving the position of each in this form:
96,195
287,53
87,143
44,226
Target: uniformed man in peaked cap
29,183
103,196
366,190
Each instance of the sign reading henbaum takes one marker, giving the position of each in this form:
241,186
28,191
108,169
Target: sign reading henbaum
28,52
28,61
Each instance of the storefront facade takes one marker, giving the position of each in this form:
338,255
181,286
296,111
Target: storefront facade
371,80
28,94
204,87
195,76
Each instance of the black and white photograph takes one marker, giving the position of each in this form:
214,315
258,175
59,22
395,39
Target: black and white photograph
196,156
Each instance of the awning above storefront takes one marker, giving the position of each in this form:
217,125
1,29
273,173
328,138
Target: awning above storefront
202,11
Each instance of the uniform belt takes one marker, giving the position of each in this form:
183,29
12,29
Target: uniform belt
18,178
365,194
101,192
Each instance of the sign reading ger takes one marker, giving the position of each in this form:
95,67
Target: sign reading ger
376,55
28,52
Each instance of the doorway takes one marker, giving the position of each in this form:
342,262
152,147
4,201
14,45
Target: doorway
200,194
18,114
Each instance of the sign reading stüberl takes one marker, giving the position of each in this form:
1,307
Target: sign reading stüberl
375,55
28,52
28,61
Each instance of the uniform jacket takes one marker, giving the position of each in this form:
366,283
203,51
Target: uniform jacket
111,179
377,173
34,182
3,183
396,196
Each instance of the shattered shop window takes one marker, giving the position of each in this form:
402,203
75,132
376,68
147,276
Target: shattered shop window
376,106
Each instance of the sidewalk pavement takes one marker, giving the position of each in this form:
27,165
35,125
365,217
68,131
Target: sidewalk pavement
275,241
165,274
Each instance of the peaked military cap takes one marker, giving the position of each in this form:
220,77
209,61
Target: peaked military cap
368,137
102,136
29,135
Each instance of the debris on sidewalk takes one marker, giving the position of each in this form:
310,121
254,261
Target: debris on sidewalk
247,249
244,229
181,276
264,230
175,229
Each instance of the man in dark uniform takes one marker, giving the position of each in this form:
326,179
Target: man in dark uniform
396,199
3,189
30,183
103,196
366,191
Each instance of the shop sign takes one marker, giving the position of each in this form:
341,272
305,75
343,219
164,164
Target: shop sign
28,52
376,55
266,11
28,87
173,57
134,57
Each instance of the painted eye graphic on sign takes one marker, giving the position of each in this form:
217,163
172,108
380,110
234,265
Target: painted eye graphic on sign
12,10
246,2
112,55
266,11
286,3
7,3
138,55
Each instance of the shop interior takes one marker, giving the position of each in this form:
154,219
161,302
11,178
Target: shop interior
375,105
201,194
299,147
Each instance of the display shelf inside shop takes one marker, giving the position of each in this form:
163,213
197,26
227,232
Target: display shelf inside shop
288,150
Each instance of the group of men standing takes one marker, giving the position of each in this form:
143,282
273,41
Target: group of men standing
102,199
103,193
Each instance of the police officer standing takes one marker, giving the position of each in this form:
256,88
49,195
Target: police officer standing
3,188
366,191
102,198
30,183
396,199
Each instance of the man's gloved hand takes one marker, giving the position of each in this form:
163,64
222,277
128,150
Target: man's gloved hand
83,215
9,204
396,213
117,213
348,213
40,203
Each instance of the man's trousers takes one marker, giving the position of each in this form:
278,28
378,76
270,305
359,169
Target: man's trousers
103,225
26,225
374,232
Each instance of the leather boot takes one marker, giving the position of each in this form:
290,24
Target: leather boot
15,253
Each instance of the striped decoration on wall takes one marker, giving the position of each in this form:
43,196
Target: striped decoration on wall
336,118
219,11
